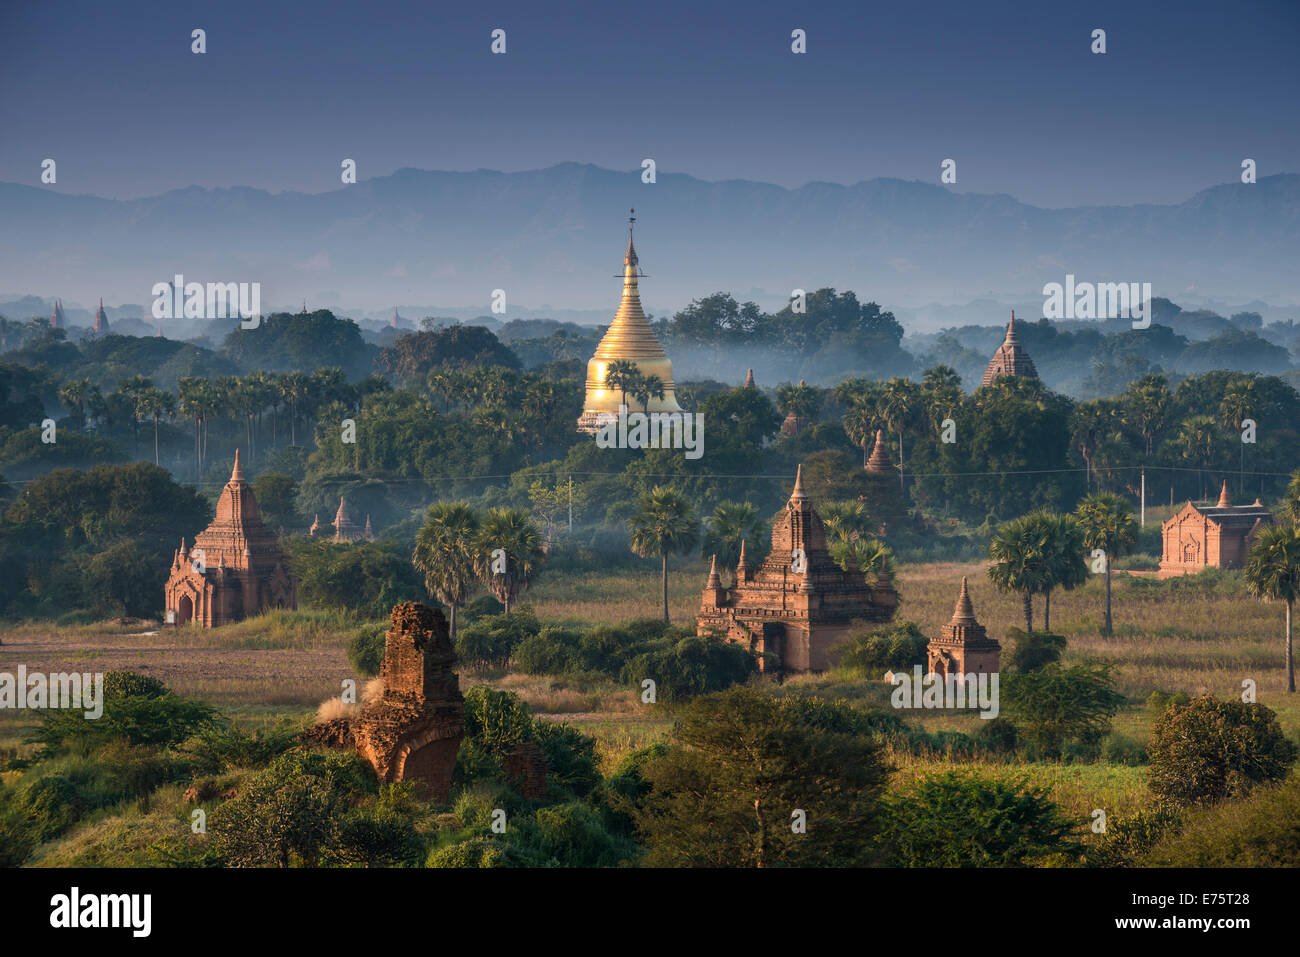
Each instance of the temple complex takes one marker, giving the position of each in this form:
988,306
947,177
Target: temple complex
628,339
235,569
1198,537
413,729
798,604
1011,359
963,646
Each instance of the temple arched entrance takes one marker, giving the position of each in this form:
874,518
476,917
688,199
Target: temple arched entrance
184,610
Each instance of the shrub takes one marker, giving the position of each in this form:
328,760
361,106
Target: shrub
477,852
371,836
573,835
1055,705
1209,750
1262,830
138,709
551,652
491,641
571,760
216,749
1159,701
690,666
366,649
1128,839
870,654
997,734
1118,749
962,820
1033,651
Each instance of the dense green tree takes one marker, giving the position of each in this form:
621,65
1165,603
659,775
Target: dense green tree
445,554
508,552
1107,524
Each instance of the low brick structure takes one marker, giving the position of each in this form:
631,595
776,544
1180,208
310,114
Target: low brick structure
963,646
1211,536
413,730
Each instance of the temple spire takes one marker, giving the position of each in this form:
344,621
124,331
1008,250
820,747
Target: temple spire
237,473
963,611
798,494
714,580
1224,501
749,380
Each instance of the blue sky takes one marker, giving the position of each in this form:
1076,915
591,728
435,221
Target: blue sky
1009,90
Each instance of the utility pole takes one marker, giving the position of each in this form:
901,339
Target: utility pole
1144,499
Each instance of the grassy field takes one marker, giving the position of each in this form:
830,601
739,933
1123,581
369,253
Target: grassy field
1202,635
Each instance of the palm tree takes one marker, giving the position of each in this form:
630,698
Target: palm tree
1107,523
1196,442
1063,543
802,401
899,401
445,549
509,552
1146,406
294,388
157,403
1273,574
730,524
1240,401
848,526
622,375
664,523
1020,553
861,420
74,395
134,389
647,388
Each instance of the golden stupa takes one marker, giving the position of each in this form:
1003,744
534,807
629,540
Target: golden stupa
629,338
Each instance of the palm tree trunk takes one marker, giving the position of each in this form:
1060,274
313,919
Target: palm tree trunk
155,438
1110,630
452,627
1290,656
665,567
1047,611
1029,611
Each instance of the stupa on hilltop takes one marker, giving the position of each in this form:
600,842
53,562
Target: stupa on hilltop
629,339
1011,359
798,604
235,568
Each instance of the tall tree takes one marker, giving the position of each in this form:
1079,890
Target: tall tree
1108,525
1020,554
1273,574
509,552
445,552
729,525
663,524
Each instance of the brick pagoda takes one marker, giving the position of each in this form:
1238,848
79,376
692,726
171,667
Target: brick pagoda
798,604
235,568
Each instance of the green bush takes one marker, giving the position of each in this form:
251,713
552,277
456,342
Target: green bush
870,654
491,641
137,709
366,649
1032,651
129,684
963,820
216,749
1056,706
477,852
998,735
690,666
370,836
1118,749
571,760
1128,839
1159,701
1210,750
573,835
1262,830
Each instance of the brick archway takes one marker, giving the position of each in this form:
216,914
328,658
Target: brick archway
184,610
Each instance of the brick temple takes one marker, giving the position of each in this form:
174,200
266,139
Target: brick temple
963,646
798,604
412,731
235,568
1198,537
1011,359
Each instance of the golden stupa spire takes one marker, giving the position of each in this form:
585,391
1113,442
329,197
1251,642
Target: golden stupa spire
629,338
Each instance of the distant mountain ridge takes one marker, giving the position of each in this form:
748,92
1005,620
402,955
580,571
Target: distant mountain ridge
555,238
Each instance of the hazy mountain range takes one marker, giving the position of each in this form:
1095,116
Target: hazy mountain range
554,239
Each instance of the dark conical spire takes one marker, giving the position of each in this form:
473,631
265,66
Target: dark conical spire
964,611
